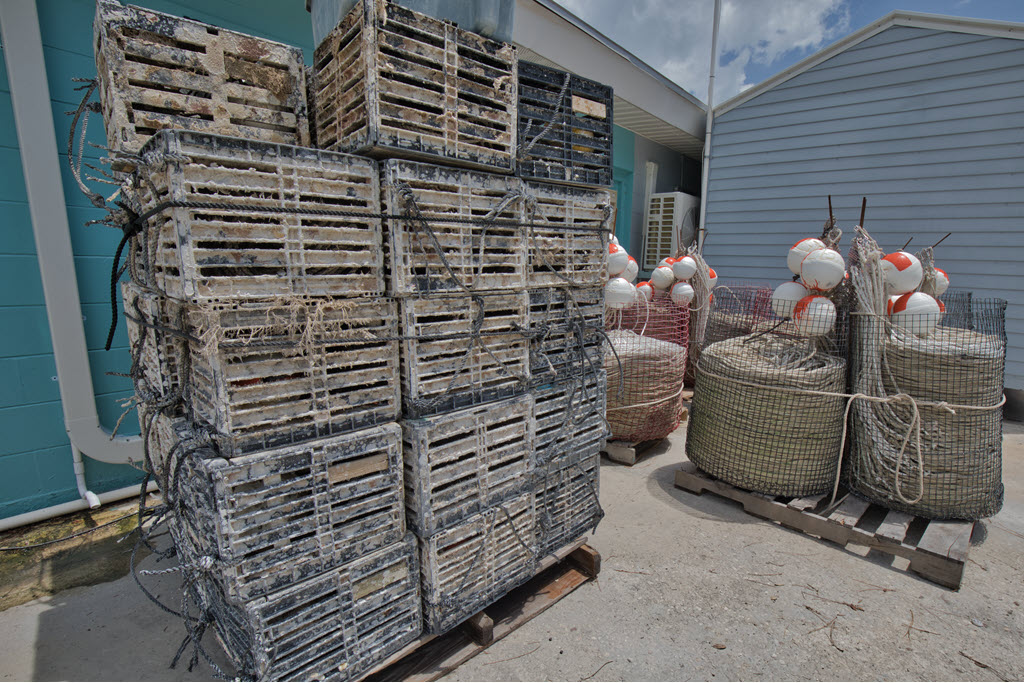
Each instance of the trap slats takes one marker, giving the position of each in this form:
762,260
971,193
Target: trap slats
459,463
568,235
151,320
468,566
566,332
265,375
388,81
443,374
159,71
268,235
335,626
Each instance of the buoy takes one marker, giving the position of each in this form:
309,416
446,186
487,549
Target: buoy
712,277
941,282
632,270
645,289
667,262
903,272
682,294
785,296
917,313
662,277
891,302
822,269
814,315
613,239
618,259
684,268
801,249
619,293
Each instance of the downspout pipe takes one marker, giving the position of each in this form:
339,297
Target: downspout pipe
30,98
70,507
702,232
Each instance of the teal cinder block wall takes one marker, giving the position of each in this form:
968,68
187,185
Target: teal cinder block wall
35,456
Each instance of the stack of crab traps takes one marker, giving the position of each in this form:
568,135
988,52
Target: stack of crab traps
366,352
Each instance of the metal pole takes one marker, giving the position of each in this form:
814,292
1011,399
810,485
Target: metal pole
701,233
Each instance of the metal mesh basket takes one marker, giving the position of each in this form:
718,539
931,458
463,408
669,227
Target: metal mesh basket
767,410
646,363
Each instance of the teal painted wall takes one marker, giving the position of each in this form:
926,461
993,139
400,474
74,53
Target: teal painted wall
35,462
623,154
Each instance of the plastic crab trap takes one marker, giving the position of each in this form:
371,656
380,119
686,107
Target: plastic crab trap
240,219
391,81
469,566
159,346
159,71
566,332
267,374
462,351
460,463
928,440
335,626
768,404
565,127
570,428
646,364
567,235
278,517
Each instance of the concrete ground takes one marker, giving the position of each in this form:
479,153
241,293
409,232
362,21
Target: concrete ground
692,588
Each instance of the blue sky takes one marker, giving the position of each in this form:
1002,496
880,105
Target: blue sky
758,38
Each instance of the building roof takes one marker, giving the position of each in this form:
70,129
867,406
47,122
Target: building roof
938,22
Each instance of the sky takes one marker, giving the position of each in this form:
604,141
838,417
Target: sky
757,38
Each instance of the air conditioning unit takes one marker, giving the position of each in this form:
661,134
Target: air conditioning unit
671,223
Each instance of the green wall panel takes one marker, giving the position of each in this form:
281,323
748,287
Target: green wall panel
623,154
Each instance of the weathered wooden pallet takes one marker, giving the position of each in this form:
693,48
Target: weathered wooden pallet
470,565
431,657
481,256
630,452
261,230
275,518
937,550
158,71
445,369
577,148
566,332
567,235
460,463
335,626
389,81
152,319
264,375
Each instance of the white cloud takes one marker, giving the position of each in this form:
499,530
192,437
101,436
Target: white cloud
674,36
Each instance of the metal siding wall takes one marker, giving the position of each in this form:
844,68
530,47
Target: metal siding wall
929,125
35,463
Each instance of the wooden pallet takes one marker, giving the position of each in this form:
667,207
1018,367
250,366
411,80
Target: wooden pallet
159,71
431,657
937,550
630,452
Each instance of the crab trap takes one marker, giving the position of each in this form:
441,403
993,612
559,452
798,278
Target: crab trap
278,517
388,81
566,332
158,344
569,430
468,566
461,351
460,463
263,375
158,71
227,218
335,626
565,127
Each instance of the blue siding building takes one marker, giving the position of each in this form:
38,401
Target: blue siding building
924,116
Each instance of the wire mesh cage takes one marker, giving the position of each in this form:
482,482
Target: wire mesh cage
932,444
737,310
646,362
768,403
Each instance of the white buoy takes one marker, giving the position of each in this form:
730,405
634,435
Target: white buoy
662,277
684,268
645,289
682,294
814,315
902,271
822,269
619,293
712,277
618,259
785,296
666,262
917,313
632,270
941,282
801,249
891,302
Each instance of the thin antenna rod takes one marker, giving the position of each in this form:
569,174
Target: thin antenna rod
863,208
907,244
942,240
